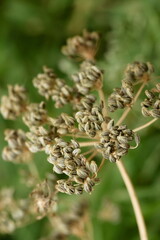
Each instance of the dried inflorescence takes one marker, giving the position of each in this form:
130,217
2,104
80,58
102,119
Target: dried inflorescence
70,222
122,97
13,213
84,46
66,158
17,150
44,200
151,105
14,104
35,115
39,137
115,142
50,86
90,117
64,124
45,82
88,78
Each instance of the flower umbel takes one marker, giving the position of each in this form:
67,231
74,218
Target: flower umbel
64,138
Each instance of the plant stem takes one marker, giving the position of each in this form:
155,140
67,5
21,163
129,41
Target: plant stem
124,115
33,169
102,98
104,109
87,144
77,136
92,156
134,200
145,125
101,165
89,151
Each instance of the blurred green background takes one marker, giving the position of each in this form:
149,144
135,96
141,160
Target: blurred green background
31,35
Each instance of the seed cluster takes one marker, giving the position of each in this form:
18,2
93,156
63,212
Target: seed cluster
64,123
39,137
14,213
50,86
115,142
70,222
14,104
151,105
90,117
66,158
35,115
122,97
17,150
43,200
82,46
89,77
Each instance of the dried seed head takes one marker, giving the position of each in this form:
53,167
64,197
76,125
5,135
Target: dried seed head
122,97
39,137
35,115
64,123
82,46
66,158
88,78
17,150
50,86
43,200
45,82
90,118
114,142
151,105
14,104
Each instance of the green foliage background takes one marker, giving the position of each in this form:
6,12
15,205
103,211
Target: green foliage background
31,35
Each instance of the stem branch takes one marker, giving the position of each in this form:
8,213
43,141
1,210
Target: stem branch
145,125
87,144
102,98
134,200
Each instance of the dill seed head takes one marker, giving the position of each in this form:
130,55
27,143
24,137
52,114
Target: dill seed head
63,124
49,85
45,82
14,104
35,115
43,200
90,118
17,150
14,212
151,105
62,93
137,70
82,46
39,137
66,158
122,97
115,142
88,78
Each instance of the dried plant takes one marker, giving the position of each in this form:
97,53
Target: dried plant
61,138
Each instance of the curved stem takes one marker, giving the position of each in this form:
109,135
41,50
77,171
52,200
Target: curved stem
89,151
145,125
101,165
134,200
124,115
